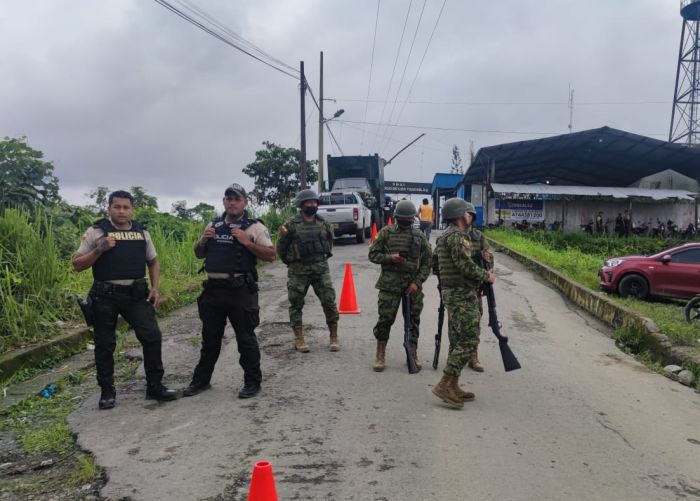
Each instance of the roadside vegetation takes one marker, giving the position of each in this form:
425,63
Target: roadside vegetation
579,256
39,232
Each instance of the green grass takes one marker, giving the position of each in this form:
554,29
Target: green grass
573,263
87,470
566,256
53,438
40,423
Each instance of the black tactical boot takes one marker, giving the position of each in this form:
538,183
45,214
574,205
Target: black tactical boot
249,390
107,398
157,391
195,387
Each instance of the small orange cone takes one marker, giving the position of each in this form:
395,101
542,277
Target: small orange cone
348,300
262,485
390,222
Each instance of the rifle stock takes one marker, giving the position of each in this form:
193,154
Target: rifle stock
510,362
408,333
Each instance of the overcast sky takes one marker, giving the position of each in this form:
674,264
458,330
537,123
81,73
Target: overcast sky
123,92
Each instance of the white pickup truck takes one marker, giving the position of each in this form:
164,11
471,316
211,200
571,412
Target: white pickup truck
347,213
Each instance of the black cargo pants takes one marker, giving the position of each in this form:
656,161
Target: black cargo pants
222,300
110,301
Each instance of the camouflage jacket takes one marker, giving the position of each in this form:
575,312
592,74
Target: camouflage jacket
306,247
392,240
454,262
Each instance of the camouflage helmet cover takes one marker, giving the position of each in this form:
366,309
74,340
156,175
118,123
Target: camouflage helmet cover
305,195
455,208
405,208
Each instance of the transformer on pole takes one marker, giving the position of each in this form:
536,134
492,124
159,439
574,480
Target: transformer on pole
685,117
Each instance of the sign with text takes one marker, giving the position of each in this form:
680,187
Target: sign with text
406,188
517,210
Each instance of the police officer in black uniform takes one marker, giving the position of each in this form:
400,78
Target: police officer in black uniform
230,247
118,250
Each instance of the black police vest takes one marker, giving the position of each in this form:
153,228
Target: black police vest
224,254
127,259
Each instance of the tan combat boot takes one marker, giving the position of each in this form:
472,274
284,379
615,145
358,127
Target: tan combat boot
474,363
380,357
444,390
414,354
464,396
334,346
299,341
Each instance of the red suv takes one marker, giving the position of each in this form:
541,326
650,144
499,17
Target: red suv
672,273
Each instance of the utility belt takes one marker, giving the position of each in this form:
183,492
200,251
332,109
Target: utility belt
249,279
138,290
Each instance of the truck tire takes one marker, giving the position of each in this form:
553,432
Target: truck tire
360,236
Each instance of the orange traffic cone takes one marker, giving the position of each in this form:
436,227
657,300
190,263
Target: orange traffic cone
374,232
262,485
348,300
390,222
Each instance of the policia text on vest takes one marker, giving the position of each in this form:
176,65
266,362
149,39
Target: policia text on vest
119,250
230,246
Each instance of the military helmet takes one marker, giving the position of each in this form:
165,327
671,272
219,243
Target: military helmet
305,195
455,208
405,208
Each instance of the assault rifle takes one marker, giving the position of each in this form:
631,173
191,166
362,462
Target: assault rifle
510,363
408,339
438,336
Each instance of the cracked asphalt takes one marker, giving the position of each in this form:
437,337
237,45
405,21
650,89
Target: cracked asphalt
580,420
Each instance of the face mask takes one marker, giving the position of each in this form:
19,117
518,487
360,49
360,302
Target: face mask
403,223
310,211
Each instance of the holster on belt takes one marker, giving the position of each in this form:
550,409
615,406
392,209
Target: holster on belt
138,290
248,279
86,308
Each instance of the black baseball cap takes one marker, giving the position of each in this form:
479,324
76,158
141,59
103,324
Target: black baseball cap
235,189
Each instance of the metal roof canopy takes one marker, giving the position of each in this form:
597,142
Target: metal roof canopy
592,191
445,182
596,157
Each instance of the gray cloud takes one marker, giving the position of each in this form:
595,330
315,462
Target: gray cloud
126,93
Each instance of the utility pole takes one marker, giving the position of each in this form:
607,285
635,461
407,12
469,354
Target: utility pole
302,152
321,182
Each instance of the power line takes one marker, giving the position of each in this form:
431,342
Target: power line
328,128
410,51
420,65
393,71
506,103
371,65
408,126
362,129
221,37
455,129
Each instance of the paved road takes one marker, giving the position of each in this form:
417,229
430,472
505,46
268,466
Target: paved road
581,420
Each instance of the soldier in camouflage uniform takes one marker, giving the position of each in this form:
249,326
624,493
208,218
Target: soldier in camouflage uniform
405,256
480,251
304,245
460,277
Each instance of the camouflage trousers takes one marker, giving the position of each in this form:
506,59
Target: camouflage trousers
388,304
298,286
463,316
